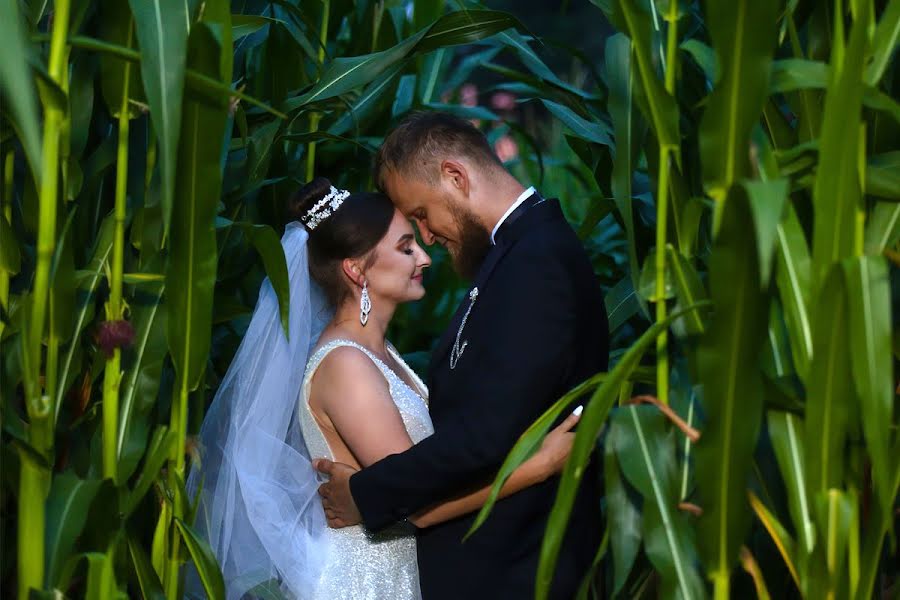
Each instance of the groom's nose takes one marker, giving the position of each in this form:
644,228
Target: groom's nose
424,232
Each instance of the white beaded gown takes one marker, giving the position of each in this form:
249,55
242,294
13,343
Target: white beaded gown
362,565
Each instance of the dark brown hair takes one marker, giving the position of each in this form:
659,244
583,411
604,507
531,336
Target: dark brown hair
351,231
421,138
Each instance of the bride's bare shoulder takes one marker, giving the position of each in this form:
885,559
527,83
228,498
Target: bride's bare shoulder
347,369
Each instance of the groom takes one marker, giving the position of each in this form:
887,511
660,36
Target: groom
532,326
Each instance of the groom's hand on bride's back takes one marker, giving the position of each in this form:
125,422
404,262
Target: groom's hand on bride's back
340,509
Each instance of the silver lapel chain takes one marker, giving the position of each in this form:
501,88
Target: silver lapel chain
457,351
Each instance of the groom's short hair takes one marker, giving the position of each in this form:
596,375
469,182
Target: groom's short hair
422,139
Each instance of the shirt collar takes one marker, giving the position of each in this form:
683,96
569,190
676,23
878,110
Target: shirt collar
522,198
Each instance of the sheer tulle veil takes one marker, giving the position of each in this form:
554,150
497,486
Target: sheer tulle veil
259,508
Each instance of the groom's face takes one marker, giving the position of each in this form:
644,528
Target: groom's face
441,218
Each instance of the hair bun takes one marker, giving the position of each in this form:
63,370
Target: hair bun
306,197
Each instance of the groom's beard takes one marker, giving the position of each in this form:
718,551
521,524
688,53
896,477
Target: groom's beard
474,243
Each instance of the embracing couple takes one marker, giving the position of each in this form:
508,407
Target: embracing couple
406,465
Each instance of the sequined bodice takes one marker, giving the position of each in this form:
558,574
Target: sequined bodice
363,565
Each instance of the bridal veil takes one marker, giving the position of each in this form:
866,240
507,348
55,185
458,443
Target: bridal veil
259,508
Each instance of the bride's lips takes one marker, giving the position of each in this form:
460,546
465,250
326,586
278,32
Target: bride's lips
418,277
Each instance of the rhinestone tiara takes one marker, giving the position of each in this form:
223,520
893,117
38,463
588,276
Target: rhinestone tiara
324,207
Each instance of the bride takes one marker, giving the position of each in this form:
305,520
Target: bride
334,388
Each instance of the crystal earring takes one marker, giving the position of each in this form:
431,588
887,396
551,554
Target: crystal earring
365,305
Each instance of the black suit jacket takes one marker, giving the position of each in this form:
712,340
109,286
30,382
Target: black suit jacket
537,328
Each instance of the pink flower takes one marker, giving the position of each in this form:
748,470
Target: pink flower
506,148
468,95
503,101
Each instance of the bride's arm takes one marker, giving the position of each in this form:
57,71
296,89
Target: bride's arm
355,397
548,460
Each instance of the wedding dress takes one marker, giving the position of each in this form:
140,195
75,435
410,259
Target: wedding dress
359,564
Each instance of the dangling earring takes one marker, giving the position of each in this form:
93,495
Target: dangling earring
365,305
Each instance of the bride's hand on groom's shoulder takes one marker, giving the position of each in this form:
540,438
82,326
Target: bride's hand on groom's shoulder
337,500
557,446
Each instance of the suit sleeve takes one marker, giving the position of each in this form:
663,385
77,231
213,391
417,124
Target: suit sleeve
525,339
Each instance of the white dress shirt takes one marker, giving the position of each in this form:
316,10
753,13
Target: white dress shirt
522,198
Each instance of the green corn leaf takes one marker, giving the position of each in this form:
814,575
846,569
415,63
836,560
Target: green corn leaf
786,432
883,228
465,27
869,295
767,200
67,504
364,106
592,131
658,105
191,272
837,192
621,304
466,112
733,388
204,560
704,56
10,255
883,175
628,133
792,74
884,43
623,520
101,578
781,389
345,74
244,25
792,276
829,388
881,522
151,587
463,71
403,99
647,280
267,244
62,284
141,380
688,289
646,454
834,510
17,85
743,34
160,546
317,136
157,452
117,27
519,43
162,33
426,12
780,536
